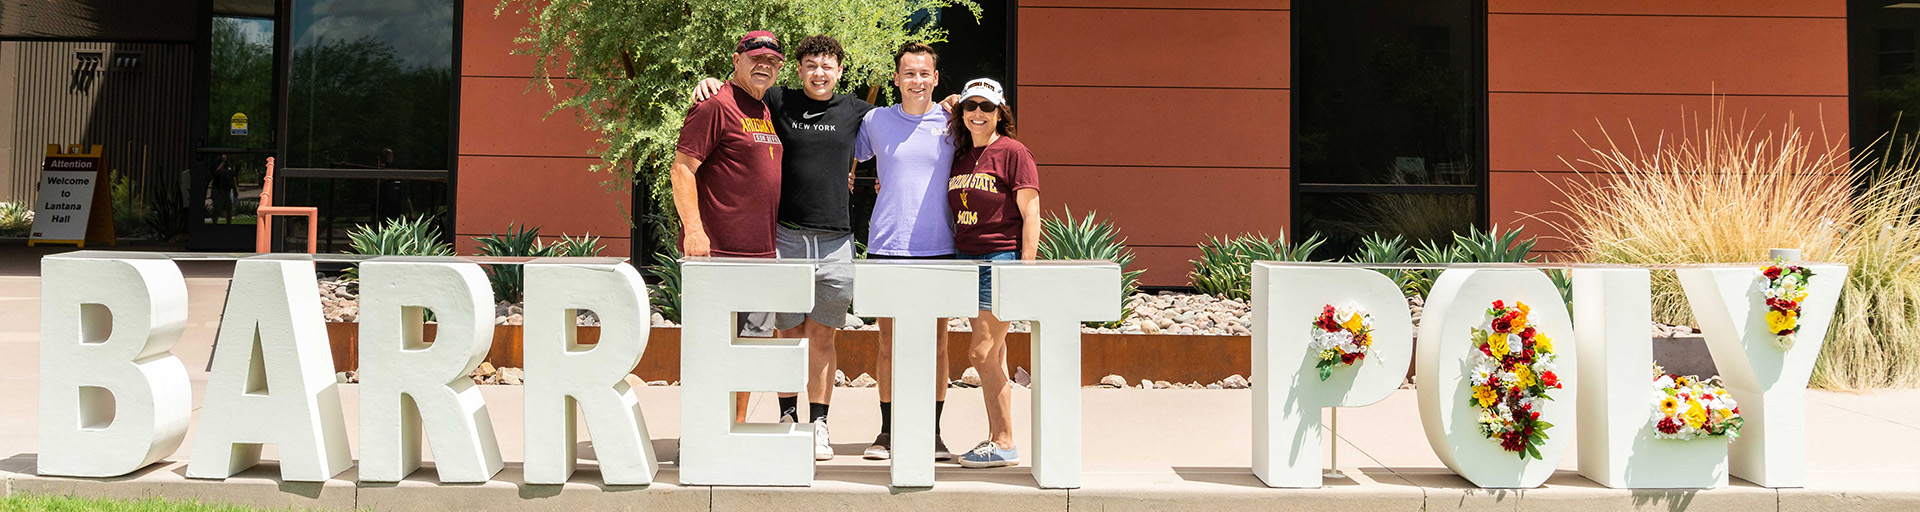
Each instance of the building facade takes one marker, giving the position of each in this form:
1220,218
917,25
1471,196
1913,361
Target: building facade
1179,120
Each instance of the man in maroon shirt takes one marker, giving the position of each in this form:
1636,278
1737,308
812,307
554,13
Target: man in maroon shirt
726,169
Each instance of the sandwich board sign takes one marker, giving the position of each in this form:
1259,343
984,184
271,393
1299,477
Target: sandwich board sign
70,188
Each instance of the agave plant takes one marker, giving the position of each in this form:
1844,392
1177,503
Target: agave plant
1090,238
1377,248
405,236
1226,264
665,294
16,219
1476,246
521,241
587,246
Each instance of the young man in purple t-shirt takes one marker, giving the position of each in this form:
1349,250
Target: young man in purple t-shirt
913,156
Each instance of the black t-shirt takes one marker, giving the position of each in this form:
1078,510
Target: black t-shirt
818,137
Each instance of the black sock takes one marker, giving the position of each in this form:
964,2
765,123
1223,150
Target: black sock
938,405
790,406
886,418
816,413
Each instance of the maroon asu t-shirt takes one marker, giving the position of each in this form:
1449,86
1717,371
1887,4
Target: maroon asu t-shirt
739,176
981,192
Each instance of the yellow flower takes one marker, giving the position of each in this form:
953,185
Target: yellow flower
1520,320
1696,415
1498,342
1354,323
1668,405
1542,344
1485,395
1681,382
1524,375
1777,321
1799,297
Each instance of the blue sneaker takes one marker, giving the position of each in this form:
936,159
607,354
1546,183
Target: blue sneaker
989,455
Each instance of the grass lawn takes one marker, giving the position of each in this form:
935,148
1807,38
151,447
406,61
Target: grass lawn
36,503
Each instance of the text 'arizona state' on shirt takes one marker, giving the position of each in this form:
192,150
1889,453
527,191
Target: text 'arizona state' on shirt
981,191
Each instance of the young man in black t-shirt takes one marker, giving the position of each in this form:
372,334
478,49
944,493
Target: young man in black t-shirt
817,128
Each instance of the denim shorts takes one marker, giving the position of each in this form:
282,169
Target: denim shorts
986,272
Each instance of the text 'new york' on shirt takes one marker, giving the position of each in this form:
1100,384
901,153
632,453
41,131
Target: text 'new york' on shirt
913,156
981,192
819,137
738,181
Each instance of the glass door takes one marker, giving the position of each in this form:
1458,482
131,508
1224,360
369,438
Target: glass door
1390,124
239,135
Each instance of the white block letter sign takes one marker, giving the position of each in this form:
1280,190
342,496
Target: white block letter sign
1056,296
1288,392
1618,448
113,398
406,382
715,362
1445,371
916,295
272,379
1770,383
561,372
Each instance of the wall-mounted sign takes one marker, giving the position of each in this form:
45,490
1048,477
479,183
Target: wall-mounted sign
238,124
68,195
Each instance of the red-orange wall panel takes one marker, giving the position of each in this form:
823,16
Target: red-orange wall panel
1532,132
1664,54
557,194
1165,265
1535,202
1155,127
1171,206
486,43
499,116
1798,8
1153,47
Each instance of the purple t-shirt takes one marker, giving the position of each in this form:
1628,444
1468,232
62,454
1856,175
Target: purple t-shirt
910,216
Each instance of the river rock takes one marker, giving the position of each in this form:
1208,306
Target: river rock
1113,381
1235,381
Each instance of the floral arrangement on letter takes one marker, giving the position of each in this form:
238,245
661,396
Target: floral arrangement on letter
1786,290
1341,337
1512,371
1689,408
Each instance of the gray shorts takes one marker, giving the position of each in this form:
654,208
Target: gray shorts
832,280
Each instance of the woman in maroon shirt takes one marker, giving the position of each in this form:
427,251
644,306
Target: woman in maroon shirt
994,192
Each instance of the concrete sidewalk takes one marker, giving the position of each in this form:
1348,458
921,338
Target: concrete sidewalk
1144,449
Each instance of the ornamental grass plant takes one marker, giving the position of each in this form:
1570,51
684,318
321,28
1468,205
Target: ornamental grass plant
1874,341
1727,193
1721,193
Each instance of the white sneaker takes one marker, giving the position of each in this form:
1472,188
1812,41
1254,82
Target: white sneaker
822,450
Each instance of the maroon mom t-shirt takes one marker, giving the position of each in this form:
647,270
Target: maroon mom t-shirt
981,191
738,180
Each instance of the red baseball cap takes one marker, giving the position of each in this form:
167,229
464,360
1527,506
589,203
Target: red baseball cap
758,42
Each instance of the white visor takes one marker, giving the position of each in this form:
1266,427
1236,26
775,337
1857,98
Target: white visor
984,88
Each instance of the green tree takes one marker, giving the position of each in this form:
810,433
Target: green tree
627,65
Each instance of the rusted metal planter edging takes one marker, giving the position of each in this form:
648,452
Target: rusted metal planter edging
1168,357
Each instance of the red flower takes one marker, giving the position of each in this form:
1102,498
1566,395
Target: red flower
1772,272
1484,349
1503,324
1668,426
1535,416
1499,305
1348,358
1527,335
1550,380
1513,442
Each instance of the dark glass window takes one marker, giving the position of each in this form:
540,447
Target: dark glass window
370,114
1882,38
1390,131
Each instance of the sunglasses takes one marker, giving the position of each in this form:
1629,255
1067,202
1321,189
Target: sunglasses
757,44
983,106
